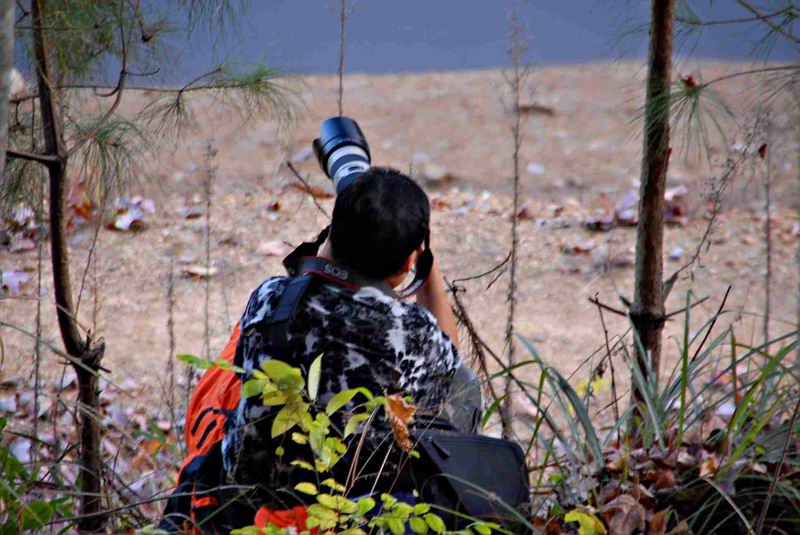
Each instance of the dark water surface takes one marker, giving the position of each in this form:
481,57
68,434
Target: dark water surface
417,35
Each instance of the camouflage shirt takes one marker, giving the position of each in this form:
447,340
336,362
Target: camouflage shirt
367,338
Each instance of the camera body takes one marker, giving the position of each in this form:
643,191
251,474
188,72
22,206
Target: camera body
342,151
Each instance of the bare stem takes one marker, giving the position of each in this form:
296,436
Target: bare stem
210,170
340,70
517,48
767,236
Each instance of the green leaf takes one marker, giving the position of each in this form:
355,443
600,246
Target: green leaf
589,524
418,525
192,360
304,465
321,512
481,528
421,509
306,488
36,514
334,485
343,398
365,505
287,417
252,388
314,375
283,374
273,399
225,365
435,523
299,438
396,526
352,423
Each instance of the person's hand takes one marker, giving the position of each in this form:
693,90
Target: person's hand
433,296
325,251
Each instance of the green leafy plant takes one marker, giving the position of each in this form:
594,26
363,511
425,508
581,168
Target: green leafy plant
18,512
281,385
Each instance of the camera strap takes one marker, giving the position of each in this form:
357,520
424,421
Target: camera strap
304,260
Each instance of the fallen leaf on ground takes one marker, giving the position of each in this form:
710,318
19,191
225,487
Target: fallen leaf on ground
273,248
525,213
198,271
583,247
658,523
537,109
21,243
13,280
191,212
624,515
314,191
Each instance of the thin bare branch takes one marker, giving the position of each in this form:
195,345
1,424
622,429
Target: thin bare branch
306,185
45,159
766,20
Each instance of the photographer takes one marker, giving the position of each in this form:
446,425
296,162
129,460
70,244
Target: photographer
368,338
341,301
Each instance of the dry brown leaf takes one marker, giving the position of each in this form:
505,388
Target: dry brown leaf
400,414
314,191
273,248
658,523
624,515
665,479
198,271
709,466
681,529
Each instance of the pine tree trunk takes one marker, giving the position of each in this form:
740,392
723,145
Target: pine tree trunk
6,66
85,354
647,312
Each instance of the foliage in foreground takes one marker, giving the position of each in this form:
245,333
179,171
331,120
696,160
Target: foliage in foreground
715,448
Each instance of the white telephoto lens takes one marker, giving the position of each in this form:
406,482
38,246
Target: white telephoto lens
345,161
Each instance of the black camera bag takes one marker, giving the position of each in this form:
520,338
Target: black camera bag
471,477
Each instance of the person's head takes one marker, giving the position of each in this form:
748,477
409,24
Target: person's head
379,224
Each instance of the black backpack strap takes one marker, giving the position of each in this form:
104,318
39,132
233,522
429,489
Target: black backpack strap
278,322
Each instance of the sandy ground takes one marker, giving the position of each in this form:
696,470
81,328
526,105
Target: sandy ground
582,158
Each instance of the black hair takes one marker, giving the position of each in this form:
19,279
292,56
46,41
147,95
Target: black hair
378,220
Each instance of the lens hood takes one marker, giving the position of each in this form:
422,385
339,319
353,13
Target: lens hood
334,133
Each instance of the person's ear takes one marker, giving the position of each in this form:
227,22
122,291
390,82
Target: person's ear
410,261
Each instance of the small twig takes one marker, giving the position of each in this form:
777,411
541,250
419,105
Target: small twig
476,343
721,22
713,322
96,234
340,70
45,159
684,309
766,20
762,70
596,301
611,365
485,273
310,191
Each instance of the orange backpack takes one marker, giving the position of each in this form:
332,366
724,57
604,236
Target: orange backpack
196,507
213,399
